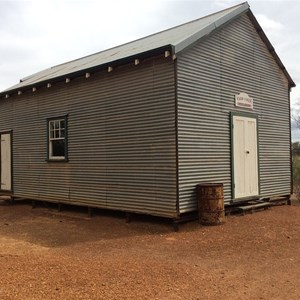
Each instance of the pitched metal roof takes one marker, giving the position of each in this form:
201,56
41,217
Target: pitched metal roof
176,39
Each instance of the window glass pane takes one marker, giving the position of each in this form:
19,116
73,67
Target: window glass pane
62,124
56,124
51,134
62,133
58,148
51,125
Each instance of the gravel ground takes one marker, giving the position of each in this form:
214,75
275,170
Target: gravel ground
46,254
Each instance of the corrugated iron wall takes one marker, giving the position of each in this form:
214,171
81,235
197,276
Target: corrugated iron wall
121,140
231,61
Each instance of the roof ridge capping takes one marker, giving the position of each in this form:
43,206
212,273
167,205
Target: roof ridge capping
232,13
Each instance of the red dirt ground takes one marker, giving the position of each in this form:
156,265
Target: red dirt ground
46,254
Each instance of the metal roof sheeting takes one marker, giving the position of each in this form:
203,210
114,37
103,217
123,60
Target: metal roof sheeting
178,38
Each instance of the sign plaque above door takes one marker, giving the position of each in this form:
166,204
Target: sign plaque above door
243,100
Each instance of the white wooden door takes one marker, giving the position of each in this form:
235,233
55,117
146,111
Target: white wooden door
5,162
245,162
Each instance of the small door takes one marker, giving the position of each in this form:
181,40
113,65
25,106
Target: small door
5,162
245,161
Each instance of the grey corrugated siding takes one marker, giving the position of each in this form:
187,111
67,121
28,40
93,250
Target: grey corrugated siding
121,140
231,61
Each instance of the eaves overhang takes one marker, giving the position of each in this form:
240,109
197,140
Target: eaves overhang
94,69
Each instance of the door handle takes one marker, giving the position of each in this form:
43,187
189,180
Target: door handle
247,151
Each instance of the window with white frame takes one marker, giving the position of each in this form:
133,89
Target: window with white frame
57,138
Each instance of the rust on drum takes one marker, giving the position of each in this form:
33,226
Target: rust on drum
210,197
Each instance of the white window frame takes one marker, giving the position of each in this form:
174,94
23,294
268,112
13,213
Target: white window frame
57,131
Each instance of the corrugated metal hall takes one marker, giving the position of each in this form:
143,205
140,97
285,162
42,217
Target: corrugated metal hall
135,128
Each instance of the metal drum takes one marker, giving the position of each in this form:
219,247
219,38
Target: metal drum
210,197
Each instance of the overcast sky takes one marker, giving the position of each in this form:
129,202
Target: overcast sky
35,35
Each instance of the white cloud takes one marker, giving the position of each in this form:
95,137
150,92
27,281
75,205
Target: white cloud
47,33
269,24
